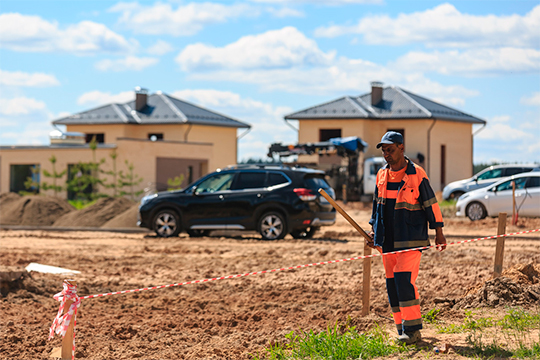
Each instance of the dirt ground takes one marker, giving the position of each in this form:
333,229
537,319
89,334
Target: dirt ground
233,318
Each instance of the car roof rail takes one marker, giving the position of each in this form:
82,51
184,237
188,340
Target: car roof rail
256,166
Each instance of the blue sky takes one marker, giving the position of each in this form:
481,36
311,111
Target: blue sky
259,60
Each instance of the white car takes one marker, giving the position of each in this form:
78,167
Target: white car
484,178
492,200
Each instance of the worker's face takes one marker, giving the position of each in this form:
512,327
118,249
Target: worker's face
393,153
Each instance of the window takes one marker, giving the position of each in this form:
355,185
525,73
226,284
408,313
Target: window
100,138
275,179
327,134
249,180
507,185
401,131
155,136
491,174
533,182
219,182
24,178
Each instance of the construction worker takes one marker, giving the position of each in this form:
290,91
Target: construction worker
403,204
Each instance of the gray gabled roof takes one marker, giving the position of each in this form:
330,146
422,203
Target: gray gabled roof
396,104
161,109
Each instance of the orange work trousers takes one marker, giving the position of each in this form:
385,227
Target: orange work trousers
401,272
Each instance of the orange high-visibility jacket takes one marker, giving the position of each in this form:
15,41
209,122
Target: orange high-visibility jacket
416,206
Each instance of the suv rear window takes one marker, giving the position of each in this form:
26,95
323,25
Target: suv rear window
275,179
316,183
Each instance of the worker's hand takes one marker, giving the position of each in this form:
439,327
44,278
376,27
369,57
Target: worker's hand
440,240
369,241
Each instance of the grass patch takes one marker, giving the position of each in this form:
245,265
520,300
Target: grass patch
448,208
81,204
515,328
335,343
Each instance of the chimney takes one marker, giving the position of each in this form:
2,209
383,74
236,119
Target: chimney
376,92
141,95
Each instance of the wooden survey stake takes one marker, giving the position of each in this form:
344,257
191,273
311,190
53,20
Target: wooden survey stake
499,249
366,281
65,352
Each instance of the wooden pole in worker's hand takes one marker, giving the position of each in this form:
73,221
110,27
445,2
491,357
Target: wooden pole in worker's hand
366,283
499,249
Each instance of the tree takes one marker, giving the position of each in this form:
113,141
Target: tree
55,176
114,173
129,180
175,183
82,181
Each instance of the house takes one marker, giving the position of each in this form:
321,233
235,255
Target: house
161,136
436,136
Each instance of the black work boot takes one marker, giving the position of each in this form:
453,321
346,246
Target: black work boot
410,338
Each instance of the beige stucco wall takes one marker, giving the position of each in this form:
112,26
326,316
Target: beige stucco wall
455,135
224,138
141,153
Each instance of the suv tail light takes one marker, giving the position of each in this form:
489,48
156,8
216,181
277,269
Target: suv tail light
305,194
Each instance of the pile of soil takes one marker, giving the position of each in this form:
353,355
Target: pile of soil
517,286
126,219
95,215
32,210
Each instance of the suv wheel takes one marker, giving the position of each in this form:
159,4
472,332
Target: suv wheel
304,233
272,226
198,233
167,223
476,211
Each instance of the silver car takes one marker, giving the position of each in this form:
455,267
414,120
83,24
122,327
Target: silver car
492,200
485,178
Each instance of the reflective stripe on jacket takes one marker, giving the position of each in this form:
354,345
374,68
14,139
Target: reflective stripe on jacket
416,206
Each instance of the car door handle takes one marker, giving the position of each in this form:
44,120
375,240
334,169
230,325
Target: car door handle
259,195
221,197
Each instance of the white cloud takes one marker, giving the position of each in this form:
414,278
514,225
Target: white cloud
285,12
282,48
34,34
97,98
19,78
160,48
129,63
21,106
472,62
444,26
24,121
185,20
321,2
502,132
533,100
266,120
500,119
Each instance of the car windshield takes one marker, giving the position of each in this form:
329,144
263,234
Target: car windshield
219,182
491,174
507,185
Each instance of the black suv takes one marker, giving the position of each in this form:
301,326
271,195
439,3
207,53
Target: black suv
273,200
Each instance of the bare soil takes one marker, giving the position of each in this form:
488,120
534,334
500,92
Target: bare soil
233,318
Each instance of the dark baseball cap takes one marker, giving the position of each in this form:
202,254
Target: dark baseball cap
391,137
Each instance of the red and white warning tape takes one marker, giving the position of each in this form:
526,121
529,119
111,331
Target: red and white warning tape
300,266
61,322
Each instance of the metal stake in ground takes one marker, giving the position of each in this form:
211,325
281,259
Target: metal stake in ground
366,272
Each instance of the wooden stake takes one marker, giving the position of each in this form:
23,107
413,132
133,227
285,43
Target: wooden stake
499,249
66,350
366,283
514,203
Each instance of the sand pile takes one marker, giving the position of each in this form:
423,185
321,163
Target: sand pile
518,286
32,210
95,215
126,219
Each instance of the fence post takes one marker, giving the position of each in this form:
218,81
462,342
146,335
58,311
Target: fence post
366,284
499,250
